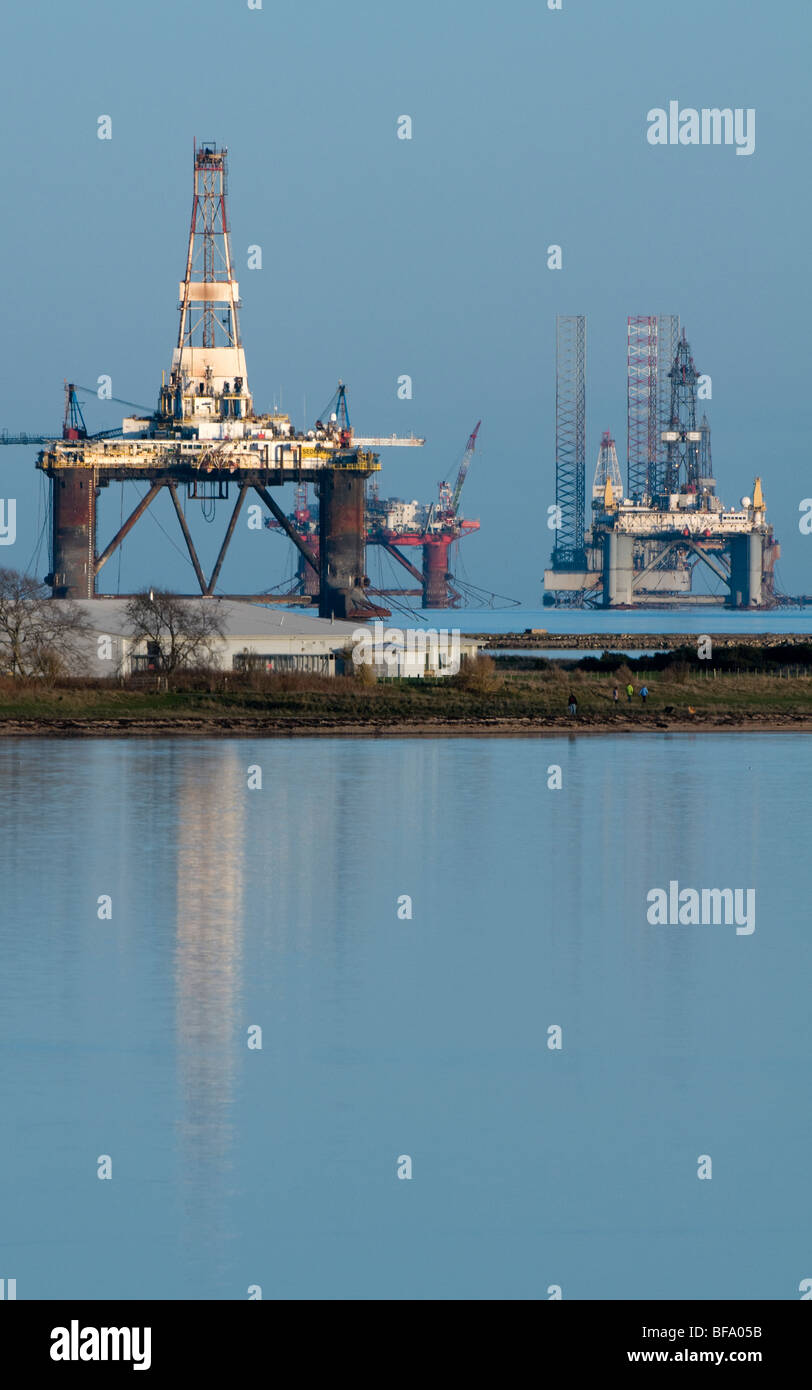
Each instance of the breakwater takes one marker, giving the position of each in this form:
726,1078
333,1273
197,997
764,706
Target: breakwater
534,640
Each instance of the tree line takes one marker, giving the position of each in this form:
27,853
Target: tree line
47,638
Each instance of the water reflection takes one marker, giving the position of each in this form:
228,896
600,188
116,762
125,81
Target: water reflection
384,1036
210,1029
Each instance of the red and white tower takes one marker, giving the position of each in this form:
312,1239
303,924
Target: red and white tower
208,376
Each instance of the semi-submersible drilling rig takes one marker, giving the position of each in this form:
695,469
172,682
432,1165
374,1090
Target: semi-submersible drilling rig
641,548
396,525
206,436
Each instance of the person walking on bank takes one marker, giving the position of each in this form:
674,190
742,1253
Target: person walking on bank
644,693
615,695
629,692
572,704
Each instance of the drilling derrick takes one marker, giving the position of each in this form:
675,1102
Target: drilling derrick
651,346
607,472
682,471
208,378
705,464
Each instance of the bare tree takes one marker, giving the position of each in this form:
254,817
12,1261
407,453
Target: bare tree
39,635
179,632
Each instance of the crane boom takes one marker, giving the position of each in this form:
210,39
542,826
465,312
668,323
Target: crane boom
336,416
447,504
464,466
73,424
389,441
6,438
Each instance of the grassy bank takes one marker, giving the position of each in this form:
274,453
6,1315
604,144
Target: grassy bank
486,699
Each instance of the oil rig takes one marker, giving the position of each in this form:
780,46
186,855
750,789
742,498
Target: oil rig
394,525
641,548
206,437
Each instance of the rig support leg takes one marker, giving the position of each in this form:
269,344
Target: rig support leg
435,573
341,546
755,597
746,564
618,569
73,509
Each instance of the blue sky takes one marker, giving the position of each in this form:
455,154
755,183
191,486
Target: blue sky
427,257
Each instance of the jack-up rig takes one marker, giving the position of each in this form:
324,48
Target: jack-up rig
641,549
393,523
206,436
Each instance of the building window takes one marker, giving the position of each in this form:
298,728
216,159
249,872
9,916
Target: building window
322,664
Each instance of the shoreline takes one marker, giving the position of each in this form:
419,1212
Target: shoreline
631,641
552,727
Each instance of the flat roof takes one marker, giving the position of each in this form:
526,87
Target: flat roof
239,619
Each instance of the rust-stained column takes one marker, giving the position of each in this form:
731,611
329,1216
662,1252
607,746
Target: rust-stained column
341,545
305,574
435,572
73,509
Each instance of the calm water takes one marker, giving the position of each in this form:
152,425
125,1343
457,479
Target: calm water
385,1037
599,620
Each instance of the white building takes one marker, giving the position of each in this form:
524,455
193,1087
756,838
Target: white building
403,516
271,639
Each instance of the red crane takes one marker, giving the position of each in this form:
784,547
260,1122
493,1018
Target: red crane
448,502
466,460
